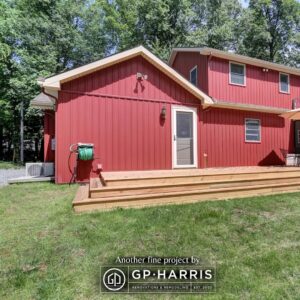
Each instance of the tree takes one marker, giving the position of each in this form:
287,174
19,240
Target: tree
215,23
156,24
269,28
39,38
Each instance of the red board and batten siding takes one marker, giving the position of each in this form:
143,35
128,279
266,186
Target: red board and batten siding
49,134
262,88
186,61
111,109
222,131
121,116
222,138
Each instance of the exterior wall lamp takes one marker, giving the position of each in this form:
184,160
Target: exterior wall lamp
141,76
163,113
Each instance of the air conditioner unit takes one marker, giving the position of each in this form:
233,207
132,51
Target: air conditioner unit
39,169
292,160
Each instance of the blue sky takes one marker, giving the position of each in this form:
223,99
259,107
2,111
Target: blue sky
245,3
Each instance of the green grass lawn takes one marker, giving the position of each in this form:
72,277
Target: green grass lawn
48,252
9,165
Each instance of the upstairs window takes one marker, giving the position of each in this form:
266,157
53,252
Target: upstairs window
237,74
194,75
284,83
252,130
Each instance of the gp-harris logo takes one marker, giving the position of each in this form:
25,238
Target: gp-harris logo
158,279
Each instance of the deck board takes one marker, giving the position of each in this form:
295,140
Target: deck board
193,172
147,188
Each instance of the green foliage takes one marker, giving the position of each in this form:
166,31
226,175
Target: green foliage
270,30
39,38
222,21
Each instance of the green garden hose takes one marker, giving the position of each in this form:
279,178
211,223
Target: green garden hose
85,152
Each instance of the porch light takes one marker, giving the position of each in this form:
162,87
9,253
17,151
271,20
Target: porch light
163,113
141,76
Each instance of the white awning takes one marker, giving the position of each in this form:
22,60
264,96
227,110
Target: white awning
42,101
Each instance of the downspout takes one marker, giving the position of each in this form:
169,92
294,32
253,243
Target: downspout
208,71
205,110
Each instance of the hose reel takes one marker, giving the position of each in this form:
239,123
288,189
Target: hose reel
84,152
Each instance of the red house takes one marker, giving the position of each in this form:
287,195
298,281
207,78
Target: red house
207,108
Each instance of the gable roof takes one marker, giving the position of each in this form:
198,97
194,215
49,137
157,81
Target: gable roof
54,82
236,57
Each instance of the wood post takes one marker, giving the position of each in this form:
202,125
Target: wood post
22,132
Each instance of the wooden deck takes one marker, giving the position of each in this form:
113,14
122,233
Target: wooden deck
147,188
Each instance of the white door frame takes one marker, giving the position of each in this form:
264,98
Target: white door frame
176,108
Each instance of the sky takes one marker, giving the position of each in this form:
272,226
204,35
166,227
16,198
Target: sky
245,3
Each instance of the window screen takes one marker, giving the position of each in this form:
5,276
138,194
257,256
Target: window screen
237,74
252,130
194,76
284,83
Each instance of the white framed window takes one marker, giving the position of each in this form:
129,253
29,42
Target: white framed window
252,130
194,75
284,83
237,73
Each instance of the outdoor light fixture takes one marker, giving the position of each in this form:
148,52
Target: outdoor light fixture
163,113
141,76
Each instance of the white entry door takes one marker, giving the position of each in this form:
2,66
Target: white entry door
184,136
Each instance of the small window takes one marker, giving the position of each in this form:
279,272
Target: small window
284,83
194,75
252,130
237,74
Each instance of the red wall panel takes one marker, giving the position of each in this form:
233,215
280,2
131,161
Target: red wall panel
222,139
262,88
185,61
49,133
121,116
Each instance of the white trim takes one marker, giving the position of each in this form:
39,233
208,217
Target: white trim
249,107
236,57
288,75
191,70
291,114
245,124
194,110
245,77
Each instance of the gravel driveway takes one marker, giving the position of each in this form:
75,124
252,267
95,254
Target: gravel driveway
10,173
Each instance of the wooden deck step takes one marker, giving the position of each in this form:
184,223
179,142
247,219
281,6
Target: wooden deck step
95,184
189,196
177,179
189,185
82,193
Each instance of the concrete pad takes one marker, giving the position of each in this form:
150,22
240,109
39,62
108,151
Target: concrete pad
26,179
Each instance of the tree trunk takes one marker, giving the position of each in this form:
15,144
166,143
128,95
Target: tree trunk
22,132
36,148
1,142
